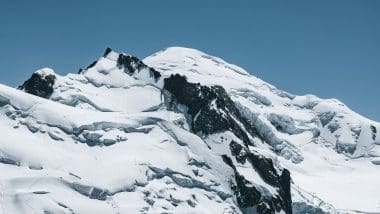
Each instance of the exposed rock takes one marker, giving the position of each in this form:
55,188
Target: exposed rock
108,50
39,84
92,64
210,111
80,71
238,151
267,171
133,64
251,199
374,132
210,108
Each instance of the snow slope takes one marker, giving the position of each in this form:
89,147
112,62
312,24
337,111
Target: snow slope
44,161
332,149
131,136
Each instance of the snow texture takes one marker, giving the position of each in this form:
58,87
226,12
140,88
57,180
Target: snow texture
180,132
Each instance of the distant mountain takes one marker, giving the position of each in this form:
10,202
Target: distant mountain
180,132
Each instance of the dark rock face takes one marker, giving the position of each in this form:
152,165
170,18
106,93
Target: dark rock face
374,131
248,197
211,108
92,64
133,64
39,85
246,194
108,50
239,152
212,111
265,167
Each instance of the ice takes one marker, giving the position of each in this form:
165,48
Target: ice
105,141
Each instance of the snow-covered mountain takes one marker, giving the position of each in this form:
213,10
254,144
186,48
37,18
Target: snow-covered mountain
180,132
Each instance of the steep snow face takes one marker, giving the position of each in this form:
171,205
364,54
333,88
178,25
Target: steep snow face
108,134
211,111
286,115
323,139
180,132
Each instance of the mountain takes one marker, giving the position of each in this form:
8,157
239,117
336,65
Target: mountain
180,132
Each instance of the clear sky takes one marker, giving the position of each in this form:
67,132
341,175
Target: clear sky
330,48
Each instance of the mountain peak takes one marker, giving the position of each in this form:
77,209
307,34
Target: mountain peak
107,51
193,58
40,83
112,54
45,72
239,145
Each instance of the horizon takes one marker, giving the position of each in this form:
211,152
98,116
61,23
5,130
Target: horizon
331,52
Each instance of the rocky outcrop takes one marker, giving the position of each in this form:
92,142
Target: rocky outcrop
265,167
210,110
374,132
39,84
131,64
251,200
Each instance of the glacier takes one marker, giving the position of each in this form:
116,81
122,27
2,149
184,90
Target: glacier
180,132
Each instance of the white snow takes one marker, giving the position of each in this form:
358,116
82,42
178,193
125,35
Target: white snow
45,72
346,183
107,130
45,170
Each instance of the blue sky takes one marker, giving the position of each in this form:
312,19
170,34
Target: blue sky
330,48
